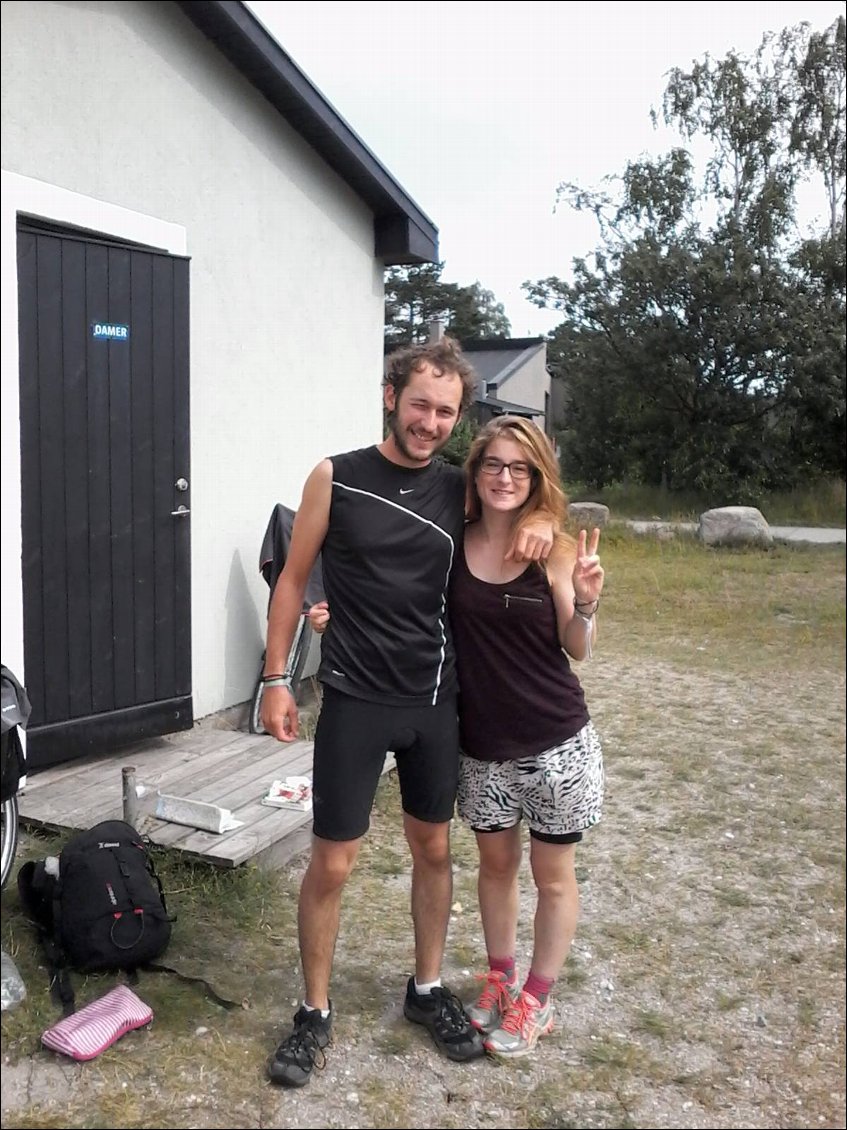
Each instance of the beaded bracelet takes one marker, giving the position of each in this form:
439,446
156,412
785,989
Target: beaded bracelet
276,681
579,605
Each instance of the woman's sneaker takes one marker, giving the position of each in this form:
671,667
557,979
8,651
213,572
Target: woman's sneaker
493,1001
300,1053
443,1015
524,1021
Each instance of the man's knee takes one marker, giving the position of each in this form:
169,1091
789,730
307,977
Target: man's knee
331,863
429,843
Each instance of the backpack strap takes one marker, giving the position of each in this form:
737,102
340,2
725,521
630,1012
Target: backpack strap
148,845
40,896
224,1002
155,875
131,942
61,988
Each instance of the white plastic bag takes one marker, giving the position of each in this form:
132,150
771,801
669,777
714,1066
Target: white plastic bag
14,989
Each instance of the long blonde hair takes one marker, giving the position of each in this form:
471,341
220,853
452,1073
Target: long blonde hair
545,496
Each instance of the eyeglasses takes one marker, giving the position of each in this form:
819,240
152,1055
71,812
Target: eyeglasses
518,470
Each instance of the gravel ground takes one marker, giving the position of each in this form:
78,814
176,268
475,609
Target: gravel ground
706,987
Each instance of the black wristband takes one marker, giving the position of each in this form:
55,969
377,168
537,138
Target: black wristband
579,605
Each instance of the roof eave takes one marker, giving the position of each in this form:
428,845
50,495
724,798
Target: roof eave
509,407
403,234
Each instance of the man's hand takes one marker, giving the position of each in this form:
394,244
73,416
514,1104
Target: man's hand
279,713
533,541
319,617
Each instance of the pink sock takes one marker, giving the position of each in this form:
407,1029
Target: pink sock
504,965
539,987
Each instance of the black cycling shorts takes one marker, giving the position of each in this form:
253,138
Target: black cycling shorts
352,738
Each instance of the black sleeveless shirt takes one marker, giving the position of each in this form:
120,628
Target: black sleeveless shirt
518,694
393,533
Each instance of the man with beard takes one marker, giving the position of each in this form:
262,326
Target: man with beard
387,521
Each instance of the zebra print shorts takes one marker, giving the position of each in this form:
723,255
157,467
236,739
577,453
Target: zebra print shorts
559,791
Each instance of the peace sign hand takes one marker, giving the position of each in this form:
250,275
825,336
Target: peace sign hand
587,571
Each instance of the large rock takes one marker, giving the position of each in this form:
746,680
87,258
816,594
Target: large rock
587,515
734,525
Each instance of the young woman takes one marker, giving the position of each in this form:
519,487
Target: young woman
529,749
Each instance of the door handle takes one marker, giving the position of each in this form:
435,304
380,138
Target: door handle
180,512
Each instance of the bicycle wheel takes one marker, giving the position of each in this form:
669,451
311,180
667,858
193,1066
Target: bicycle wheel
298,655
254,720
8,837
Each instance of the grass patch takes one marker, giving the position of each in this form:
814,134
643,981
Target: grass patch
825,504
652,1023
614,1053
732,896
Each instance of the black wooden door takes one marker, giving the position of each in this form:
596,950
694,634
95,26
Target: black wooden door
104,382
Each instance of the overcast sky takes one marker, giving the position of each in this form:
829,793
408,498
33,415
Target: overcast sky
479,110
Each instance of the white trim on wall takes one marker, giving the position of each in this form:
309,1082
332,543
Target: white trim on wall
25,196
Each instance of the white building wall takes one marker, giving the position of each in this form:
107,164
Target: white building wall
528,384
125,114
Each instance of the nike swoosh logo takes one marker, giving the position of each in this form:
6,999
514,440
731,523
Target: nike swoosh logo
409,491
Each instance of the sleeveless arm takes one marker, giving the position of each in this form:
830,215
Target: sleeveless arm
279,712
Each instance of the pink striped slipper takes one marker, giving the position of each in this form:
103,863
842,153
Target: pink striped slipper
87,1033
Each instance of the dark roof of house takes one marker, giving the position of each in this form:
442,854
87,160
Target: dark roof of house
403,234
508,407
501,343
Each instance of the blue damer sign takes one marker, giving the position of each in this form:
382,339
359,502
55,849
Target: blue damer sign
109,331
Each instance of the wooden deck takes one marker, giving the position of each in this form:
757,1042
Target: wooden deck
225,767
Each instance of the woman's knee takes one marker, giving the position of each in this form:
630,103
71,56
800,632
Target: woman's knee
500,853
553,867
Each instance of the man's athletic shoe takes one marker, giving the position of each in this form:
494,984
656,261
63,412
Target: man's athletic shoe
300,1053
524,1021
493,1001
443,1015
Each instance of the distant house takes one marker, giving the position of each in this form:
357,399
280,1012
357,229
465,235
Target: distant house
513,378
193,252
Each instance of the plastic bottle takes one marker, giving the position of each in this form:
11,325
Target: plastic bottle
14,989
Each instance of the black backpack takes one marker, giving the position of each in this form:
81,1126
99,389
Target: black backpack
102,908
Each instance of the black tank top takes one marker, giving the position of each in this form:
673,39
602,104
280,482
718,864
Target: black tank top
518,694
393,533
